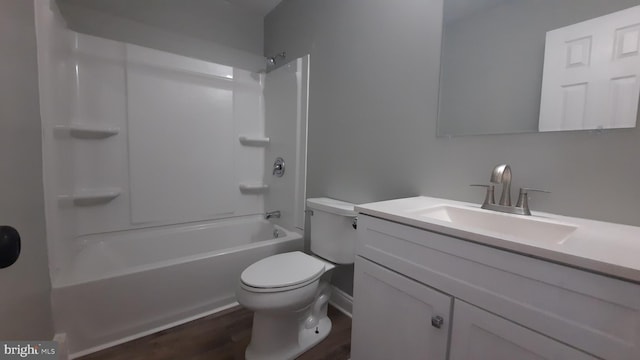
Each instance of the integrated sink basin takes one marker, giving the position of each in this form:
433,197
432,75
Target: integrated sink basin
602,247
517,227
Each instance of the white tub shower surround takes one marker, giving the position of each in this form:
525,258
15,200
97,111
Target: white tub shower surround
145,156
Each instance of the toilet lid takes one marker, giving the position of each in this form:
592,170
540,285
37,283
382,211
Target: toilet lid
282,270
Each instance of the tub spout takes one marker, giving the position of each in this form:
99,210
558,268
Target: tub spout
272,214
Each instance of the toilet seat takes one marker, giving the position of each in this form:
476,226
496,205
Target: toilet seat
282,272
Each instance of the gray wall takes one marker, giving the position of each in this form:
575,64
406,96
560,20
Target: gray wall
493,62
209,30
373,110
25,310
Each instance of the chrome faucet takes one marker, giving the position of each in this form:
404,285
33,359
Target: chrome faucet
501,174
272,214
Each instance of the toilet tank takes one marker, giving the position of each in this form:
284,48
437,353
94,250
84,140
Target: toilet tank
333,236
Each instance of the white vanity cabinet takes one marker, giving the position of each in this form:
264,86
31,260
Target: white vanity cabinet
396,317
481,335
494,304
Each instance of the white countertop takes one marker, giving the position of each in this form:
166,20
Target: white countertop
607,248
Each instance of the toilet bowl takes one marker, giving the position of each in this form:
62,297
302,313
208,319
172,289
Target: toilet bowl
289,293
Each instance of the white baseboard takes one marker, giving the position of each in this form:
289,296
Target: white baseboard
63,348
341,301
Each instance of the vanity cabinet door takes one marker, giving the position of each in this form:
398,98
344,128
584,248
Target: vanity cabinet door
397,318
481,335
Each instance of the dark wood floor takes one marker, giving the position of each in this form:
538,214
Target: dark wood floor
221,336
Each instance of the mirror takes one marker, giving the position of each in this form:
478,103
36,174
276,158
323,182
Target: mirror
514,66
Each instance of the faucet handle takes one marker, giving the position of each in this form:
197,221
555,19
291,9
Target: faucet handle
523,199
526,189
489,197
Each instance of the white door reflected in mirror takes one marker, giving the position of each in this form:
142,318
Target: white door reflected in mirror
493,62
591,74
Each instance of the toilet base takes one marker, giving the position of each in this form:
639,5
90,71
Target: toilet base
288,323
307,338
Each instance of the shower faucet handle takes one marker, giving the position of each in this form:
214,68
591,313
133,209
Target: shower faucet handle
489,197
278,167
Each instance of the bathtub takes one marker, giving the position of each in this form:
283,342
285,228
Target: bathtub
126,285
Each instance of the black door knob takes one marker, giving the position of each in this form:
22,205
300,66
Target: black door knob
9,246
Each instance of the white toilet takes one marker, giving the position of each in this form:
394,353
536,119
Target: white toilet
289,292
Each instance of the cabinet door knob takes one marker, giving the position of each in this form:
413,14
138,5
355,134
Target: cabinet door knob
437,322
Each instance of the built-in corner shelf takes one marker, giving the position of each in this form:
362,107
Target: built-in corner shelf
251,188
85,131
92,197
254,140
